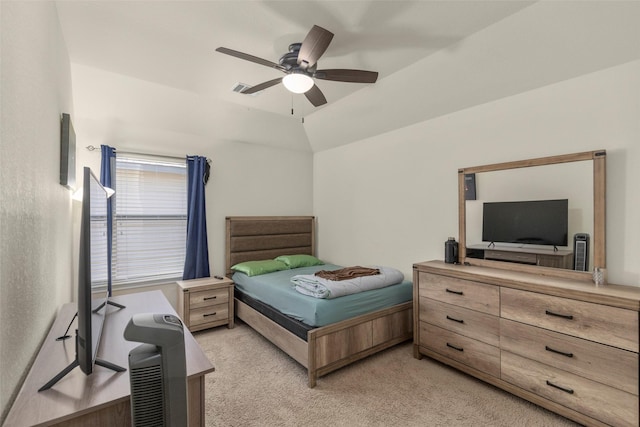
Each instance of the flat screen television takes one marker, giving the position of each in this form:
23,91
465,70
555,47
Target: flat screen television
92,279
537,222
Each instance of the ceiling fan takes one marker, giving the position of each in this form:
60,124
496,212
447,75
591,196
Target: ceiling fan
300,67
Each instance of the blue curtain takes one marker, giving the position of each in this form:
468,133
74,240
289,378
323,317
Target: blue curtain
196,262
107,179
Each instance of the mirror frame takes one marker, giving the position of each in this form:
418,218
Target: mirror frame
598,157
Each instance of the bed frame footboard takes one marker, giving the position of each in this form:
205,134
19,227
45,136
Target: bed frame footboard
331,347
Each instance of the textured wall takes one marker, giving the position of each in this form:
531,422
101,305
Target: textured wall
35,210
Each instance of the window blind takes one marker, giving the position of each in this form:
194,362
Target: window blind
150,220
99,263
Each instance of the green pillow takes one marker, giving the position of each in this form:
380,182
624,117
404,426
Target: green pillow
255,268
297,261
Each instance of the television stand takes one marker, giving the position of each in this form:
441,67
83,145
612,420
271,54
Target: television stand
66,332
109,302
556,258
74,365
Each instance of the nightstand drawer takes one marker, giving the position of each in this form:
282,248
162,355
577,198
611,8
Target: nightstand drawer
208,297
209,314
474,324
464,293
610,405
602,363
596,322
474,353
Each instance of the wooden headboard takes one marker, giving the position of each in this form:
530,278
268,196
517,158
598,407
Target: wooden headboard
254,238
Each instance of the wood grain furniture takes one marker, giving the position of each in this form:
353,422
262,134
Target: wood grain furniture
102,398
326,348
206,303
598,239
561,258
563,344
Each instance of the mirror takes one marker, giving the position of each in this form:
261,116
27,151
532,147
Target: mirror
578,177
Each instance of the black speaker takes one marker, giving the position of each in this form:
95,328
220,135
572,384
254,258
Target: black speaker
581,252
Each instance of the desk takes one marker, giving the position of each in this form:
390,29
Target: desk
102,398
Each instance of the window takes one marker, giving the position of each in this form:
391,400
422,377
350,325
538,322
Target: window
150,220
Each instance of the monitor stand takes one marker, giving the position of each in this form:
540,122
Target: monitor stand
66,333
115,304
75,363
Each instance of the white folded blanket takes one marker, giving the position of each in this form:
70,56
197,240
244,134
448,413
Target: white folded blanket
317,287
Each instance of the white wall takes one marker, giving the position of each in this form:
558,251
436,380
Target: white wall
35,219
392,199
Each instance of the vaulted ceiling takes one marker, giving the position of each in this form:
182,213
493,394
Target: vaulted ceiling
152,65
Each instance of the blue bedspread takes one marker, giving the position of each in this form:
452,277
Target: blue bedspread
277,290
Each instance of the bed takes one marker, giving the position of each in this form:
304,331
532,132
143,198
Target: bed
321,349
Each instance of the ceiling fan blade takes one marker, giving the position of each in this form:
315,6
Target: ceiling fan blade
251,58
315,96
351,76
313,46
261,86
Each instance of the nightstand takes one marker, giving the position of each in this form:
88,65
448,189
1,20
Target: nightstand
206,303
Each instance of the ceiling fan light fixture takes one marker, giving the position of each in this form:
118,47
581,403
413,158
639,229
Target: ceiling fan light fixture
297,82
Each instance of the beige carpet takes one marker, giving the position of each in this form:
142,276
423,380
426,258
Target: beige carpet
256,384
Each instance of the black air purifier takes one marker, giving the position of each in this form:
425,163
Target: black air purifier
581,252
157,371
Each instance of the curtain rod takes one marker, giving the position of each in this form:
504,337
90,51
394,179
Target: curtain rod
92,148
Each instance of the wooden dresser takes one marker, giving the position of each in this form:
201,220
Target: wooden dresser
563,344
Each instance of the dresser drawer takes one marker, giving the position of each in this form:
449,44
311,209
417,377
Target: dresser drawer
473,353
474,324
209,314
464,293
208,297
613,326
599,401
608,365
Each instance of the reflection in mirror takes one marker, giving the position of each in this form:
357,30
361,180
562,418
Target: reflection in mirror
572,181
579,178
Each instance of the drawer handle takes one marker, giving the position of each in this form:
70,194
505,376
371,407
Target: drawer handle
451,291
208,298
553,350
454,347
210,314
564,316
454,319
566,390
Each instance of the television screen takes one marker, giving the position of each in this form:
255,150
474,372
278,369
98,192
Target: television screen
539,222
92,280
92,273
